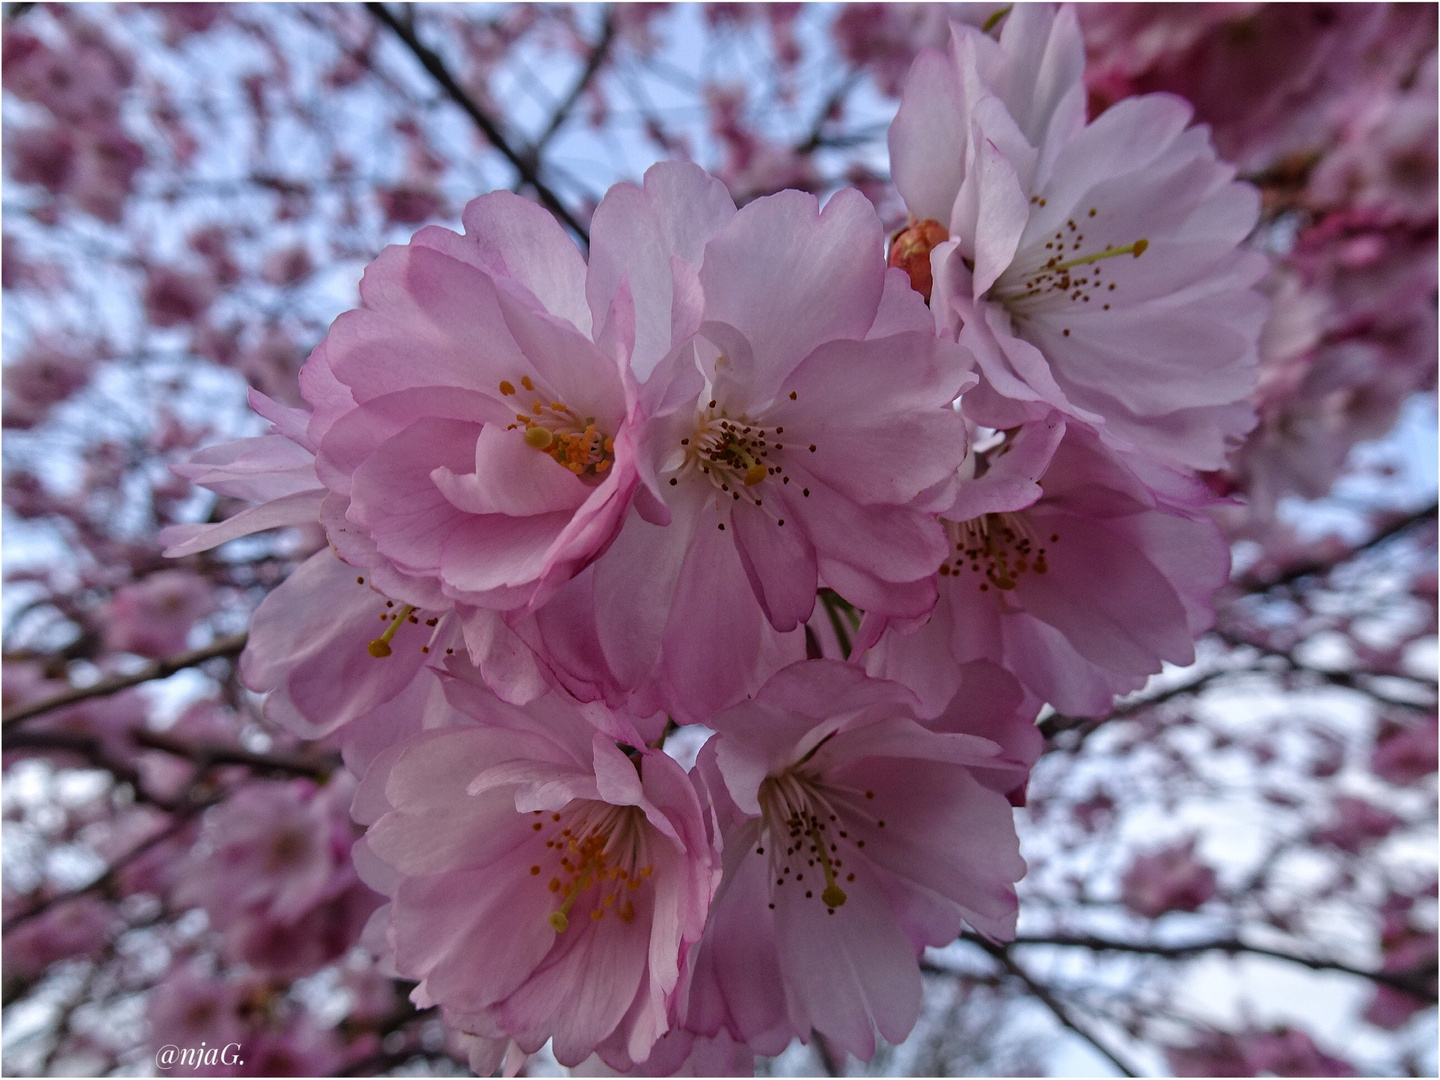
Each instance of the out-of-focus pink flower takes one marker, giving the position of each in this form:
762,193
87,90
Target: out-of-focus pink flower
884,38
811,446
411,204
753,165
1288,1051
291,949
1391,1009
270,849
1405,753
79,82
175,297
154,617
1385,160
106,162
1357,824
48,373
183,20
1221,59
187,1009
1171,879
853,838
1091,268
544,883
44,156
1283,1051
1069,568
78,928
288,265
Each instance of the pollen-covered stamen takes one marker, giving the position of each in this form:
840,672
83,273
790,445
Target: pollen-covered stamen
380,646
803,833
556,429
600,847
1069,272
997,547
735,454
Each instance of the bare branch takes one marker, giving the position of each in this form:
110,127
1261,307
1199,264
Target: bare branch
159,669
432,63
1395,528
1411,983
1042,993
182,819
593,64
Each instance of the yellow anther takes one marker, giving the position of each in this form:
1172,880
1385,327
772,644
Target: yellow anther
507,387
538,437
559,406
380,647
525,382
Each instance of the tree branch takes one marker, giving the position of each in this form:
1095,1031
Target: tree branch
1046,998
1408,521
182,819
1411,983
593,64
432,63
158,669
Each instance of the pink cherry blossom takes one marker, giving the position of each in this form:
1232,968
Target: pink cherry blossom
853,837
78,928
1071,568
544,883
270,848
801,435
1406,752
1091,267
1356,825
1171,879
154,617
474,420
48,373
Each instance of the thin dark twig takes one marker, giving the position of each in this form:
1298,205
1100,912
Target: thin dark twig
209,755
1042,993
1412,984
1400,525
182,819
432,63
158,669
593,63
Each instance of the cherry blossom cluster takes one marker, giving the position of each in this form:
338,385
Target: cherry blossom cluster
859,516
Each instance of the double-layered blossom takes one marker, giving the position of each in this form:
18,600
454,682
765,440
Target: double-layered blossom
800,434
853,837
1092,267
545,882
473,420
1080,572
